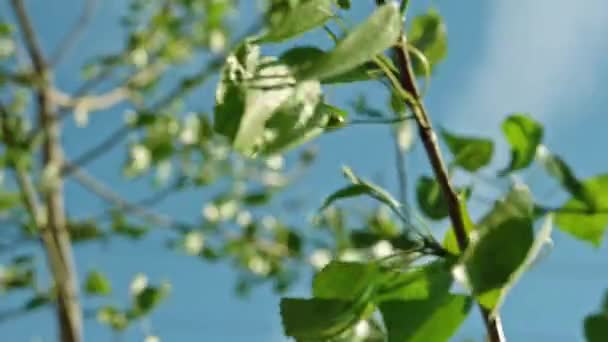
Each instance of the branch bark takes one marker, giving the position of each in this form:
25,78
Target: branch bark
54,233
407,79
431,146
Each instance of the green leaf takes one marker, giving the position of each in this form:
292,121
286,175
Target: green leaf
317,319
303,57
84,231
344,4
288,19
558,169
524,135
449,241
378,33
430,199
428,34
596,327
370,189
257,198
9,200
147,299
113,317
435,319
37,301
353,190
579,220
344,280
97,284
261,110
422,283
469,153
506,238
517,203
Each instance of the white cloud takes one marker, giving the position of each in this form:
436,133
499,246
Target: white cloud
538,56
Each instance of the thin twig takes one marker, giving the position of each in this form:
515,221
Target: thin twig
111,197
379,121
98,150
70,40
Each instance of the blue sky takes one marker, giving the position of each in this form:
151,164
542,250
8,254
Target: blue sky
545,57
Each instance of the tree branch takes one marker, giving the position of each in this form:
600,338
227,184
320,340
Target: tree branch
71,38
96,151
54,231
407,80
111,197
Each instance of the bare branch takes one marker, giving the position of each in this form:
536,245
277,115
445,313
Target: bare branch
92,103
97,151
29,37
54,232
70,40
111,197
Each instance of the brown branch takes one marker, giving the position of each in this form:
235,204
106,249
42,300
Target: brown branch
71,38
407,80
54,231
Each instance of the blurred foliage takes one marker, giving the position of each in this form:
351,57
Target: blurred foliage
381,273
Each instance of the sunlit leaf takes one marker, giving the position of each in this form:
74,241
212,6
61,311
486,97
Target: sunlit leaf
420,283
98,284
435,319
344,280
579,220
113,317
378,33
288,19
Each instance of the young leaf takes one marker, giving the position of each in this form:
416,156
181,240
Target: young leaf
379,32
97,284
9,200
430,199
303,57
428,34
147,299
426,282
558,169
492,261
372,190
435,319
577,219
469,153
524,135
113,317
318,319
344,280
287,20
352,190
